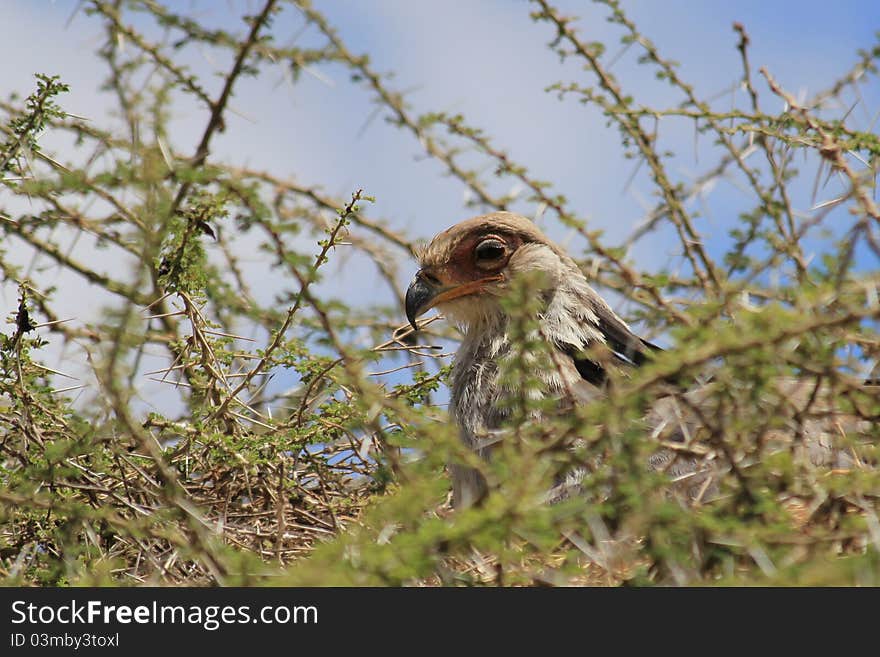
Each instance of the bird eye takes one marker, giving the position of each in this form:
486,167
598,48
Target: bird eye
489,250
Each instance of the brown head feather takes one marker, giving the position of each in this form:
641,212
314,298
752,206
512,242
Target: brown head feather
446,245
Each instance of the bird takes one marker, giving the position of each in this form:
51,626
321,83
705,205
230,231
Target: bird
466,272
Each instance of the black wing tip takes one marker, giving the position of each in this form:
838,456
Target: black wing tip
651,345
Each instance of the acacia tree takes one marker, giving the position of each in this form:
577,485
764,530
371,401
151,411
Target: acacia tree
339,477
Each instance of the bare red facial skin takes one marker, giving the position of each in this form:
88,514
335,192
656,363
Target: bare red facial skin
462,266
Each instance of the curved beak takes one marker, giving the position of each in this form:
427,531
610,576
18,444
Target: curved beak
420,296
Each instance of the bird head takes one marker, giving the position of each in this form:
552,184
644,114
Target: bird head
468,268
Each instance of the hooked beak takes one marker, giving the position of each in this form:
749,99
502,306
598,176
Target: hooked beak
420,297
422,294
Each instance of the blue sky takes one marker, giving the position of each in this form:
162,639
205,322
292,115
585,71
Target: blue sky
488,60
484,58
